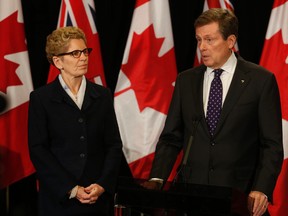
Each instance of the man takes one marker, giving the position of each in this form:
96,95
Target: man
243,147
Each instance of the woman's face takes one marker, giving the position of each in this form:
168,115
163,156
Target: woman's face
70,65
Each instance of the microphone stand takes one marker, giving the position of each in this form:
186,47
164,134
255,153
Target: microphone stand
186,154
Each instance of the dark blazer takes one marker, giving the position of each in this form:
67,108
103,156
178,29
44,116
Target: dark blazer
246,151
69,147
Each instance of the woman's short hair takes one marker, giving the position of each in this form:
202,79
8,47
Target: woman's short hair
57,42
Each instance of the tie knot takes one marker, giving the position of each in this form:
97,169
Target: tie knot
217,72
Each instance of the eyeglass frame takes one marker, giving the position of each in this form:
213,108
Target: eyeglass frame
88,50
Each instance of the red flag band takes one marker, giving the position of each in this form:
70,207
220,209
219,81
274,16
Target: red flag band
15,87
275,58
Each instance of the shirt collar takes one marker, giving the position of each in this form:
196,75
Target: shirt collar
229,65
82,88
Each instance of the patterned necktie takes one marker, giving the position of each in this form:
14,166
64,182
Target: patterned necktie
215,101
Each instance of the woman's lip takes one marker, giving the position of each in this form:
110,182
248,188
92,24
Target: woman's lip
82,66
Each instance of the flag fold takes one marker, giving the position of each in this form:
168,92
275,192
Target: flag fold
145,83
15,87
275,58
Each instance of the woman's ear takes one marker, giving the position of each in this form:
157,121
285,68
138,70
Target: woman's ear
57,62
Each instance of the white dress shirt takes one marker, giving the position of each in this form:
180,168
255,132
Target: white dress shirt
226,78
78,99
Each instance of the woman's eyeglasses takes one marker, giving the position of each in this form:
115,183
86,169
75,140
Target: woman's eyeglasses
77,53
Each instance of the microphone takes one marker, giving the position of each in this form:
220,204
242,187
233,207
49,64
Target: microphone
185,158
187,152
190,141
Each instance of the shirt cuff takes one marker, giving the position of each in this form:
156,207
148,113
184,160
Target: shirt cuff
157,180
73,192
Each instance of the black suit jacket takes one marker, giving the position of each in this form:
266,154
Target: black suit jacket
246,151
69,147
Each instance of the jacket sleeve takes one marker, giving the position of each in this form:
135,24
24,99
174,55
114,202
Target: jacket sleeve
271,143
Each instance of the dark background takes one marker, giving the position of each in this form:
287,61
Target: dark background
113,19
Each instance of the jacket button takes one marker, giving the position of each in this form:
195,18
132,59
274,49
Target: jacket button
82,155
212,143
82,138
80,120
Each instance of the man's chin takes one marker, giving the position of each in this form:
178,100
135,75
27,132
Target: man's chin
206,62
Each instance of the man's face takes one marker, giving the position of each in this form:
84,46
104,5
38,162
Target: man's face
213,48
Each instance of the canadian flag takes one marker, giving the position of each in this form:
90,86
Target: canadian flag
15,87
145,84
214,4
275,58
81,13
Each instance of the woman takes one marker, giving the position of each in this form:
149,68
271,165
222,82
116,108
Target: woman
74,139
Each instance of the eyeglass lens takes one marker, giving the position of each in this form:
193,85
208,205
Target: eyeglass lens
77,53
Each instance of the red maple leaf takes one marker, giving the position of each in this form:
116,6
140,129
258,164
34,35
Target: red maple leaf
151,76
13,41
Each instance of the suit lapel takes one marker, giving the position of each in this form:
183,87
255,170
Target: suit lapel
238,85
199,86
197,98
59,95
90,95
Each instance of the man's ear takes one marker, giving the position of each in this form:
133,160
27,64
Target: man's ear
232,41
